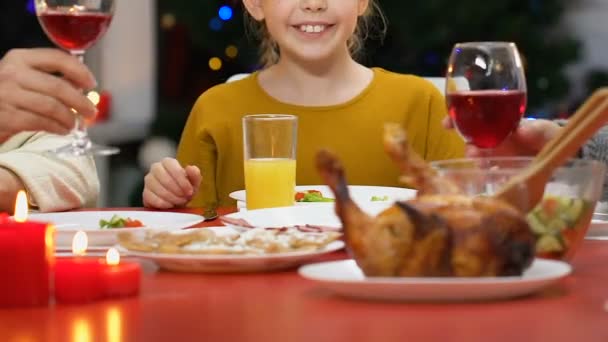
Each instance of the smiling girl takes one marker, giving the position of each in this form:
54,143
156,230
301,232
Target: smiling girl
308,51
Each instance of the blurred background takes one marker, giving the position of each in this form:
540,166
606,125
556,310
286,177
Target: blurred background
160,55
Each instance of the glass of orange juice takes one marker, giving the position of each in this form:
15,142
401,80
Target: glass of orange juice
270,142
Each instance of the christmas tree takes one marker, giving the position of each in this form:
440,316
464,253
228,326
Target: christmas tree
420,37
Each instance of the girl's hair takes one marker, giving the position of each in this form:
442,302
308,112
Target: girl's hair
371,24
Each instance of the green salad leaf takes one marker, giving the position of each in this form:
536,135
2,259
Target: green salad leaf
114,222
315,197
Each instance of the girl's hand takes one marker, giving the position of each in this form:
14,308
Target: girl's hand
169,185
527,140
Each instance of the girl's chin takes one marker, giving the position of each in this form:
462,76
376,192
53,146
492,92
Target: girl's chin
315,55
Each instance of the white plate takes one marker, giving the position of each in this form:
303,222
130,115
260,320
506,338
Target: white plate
322,215
68,223
224,263
359,193
346,279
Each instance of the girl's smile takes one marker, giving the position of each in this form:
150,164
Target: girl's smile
312,29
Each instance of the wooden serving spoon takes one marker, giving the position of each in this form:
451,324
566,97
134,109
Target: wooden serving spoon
587,120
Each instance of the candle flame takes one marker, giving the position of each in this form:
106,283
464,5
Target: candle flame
21,207
80,243
112,257
49,242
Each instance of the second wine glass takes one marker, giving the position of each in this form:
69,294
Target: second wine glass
485,91
75,25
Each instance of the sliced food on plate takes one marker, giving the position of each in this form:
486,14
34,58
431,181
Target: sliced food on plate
255,241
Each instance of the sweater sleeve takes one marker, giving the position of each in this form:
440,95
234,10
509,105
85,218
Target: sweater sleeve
441,143
197,147
53,183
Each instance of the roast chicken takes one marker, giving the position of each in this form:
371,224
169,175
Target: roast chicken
439,233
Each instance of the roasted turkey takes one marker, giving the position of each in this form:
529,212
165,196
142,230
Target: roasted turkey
440,233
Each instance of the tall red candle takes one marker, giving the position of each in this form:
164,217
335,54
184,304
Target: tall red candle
26,259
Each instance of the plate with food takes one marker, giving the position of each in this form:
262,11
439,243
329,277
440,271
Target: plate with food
101,226
346,279
223,249
309,194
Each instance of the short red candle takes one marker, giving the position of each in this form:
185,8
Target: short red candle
26,257
120,279
78,279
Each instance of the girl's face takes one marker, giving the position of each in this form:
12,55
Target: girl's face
309,30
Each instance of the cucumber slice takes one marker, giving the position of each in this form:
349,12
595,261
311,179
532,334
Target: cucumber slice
574,211
537,226
556,225
549,243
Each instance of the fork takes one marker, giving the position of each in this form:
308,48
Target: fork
210,214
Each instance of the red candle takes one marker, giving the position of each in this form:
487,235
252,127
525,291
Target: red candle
78,279
26,258
120,279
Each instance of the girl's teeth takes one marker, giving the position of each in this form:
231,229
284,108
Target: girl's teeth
312,28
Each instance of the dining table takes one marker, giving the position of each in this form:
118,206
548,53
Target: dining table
283,306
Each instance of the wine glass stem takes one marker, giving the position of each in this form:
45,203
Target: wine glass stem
485,164
79,132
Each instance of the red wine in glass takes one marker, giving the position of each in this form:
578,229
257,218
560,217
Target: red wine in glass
485,118
75,31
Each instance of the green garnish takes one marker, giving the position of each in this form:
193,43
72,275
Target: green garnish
114,222
379,198
315,197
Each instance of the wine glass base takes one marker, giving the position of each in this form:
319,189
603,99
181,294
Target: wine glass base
88,149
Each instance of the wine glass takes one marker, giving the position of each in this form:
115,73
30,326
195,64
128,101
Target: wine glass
75,25
485,91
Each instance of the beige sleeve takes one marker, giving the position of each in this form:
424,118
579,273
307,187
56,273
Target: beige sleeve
53,183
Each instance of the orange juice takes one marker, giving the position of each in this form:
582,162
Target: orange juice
270,182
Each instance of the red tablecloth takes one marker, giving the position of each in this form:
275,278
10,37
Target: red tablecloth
284,307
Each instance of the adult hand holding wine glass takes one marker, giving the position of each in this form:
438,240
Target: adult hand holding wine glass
31,99
485,92
75,25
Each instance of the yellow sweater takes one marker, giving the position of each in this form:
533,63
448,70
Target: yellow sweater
212,138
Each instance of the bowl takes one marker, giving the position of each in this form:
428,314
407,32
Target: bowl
561,219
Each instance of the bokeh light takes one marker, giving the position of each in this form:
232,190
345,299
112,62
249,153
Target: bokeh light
30,6
215,63
232,51
94,97
215,24
167,21
225,13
